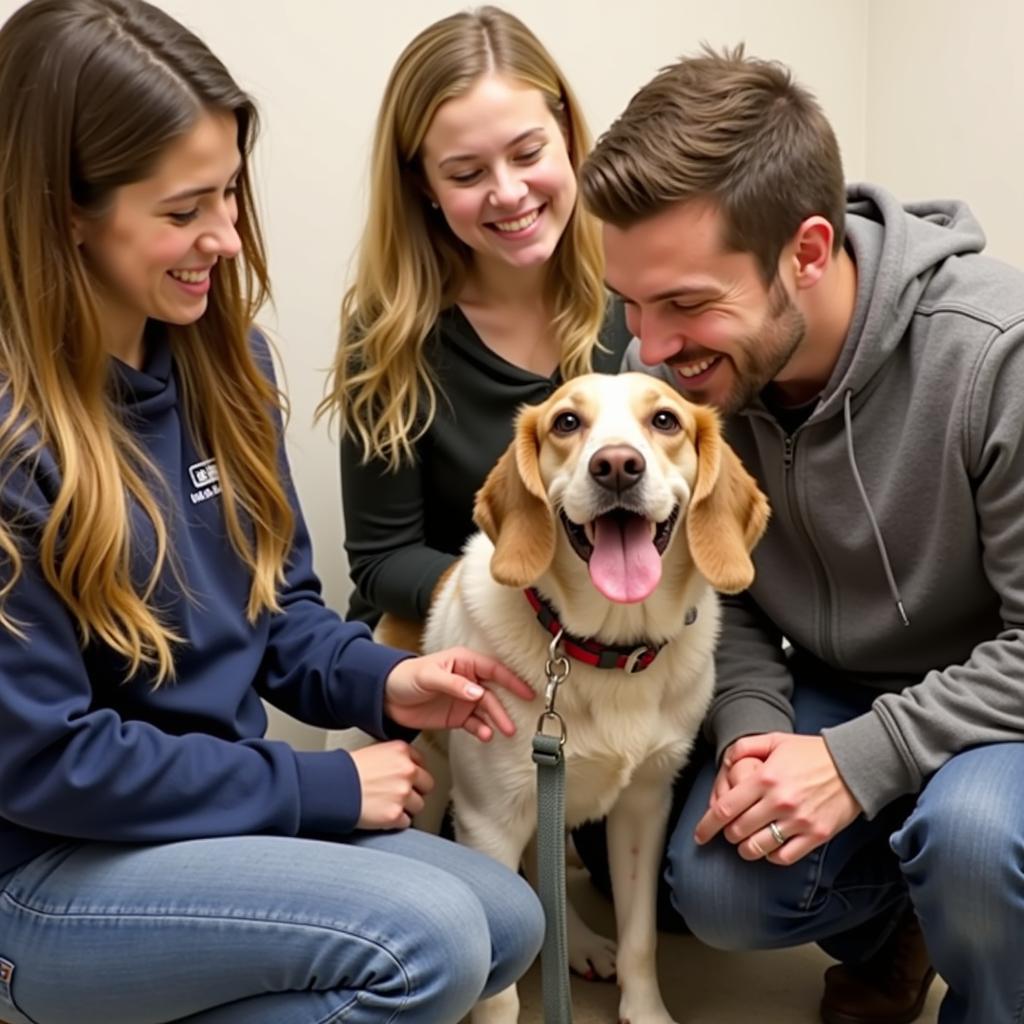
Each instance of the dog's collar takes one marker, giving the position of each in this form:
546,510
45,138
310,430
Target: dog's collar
592,652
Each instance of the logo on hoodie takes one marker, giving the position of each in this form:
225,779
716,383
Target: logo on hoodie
205,479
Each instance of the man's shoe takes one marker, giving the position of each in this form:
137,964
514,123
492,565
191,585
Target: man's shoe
890,988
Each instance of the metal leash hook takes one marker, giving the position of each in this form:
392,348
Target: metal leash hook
557,670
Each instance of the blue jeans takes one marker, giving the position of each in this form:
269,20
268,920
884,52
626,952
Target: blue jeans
957,854
402,927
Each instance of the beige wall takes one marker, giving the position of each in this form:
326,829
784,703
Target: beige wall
945,108
924,97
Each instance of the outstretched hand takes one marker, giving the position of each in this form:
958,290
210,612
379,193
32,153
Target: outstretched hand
449,690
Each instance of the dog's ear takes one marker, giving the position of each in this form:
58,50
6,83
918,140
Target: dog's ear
727,514
513,510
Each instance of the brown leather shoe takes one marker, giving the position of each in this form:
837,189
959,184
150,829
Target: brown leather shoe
890,988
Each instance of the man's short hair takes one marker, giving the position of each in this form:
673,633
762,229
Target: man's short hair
732,129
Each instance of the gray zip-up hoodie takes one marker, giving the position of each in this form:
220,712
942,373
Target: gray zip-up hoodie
903,492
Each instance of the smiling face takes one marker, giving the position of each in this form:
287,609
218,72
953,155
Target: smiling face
153,250
496,163
702,310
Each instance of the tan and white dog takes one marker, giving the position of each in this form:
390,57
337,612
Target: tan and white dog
617,511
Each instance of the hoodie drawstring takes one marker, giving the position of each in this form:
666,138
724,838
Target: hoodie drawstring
879,542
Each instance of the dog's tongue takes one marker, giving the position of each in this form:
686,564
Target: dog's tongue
625,565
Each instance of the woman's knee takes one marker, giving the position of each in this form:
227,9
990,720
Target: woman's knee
470,948
517,934
442,946
511,929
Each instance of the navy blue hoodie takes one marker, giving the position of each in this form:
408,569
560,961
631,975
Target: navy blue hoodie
87,754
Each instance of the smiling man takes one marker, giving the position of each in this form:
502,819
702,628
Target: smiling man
869,711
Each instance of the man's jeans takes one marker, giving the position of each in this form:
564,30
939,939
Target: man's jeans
401,927
958,852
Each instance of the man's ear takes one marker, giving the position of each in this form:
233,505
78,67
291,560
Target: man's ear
811,250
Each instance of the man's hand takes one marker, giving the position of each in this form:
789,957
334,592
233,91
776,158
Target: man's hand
393,783
445,691
778,778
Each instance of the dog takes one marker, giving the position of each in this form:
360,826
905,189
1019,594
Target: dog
615,515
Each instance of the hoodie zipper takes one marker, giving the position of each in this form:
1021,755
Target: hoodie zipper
817,565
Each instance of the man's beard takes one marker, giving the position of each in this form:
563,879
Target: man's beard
762,355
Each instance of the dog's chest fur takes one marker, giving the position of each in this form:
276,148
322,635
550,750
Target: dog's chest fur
617,724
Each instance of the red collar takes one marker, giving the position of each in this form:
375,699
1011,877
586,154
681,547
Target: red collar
593,652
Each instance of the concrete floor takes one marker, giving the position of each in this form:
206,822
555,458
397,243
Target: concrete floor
702,985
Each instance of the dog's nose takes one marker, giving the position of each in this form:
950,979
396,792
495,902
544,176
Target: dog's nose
617,466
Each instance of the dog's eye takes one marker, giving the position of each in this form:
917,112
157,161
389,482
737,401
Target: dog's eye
665,421
566,423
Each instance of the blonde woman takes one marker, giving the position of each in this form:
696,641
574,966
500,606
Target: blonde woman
478,289
160,859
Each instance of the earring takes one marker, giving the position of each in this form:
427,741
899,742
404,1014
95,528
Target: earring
434,204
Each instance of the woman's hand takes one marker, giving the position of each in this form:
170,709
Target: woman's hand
393,782
447,690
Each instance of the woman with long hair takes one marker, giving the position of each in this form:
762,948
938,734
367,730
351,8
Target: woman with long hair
160,859
478,288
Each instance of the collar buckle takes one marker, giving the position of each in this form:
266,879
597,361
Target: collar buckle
631,664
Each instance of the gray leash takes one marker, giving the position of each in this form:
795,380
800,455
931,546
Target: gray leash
548,756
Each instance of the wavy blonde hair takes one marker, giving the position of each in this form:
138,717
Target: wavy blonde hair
91,94
411,266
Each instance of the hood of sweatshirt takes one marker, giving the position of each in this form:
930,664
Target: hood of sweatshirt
147,394
896,257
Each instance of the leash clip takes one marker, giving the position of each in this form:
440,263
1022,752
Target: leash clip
557,669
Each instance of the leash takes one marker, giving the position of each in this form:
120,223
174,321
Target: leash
548,755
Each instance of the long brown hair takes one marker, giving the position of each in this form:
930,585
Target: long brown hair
411,266
91,94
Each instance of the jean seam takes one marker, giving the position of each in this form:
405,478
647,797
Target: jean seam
343,1012
815,884
222,917
182,915
843,890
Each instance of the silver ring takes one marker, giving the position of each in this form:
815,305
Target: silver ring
777,835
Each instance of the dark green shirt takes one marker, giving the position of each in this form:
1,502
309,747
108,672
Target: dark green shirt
402,530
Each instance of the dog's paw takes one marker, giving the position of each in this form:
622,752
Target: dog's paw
591,955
